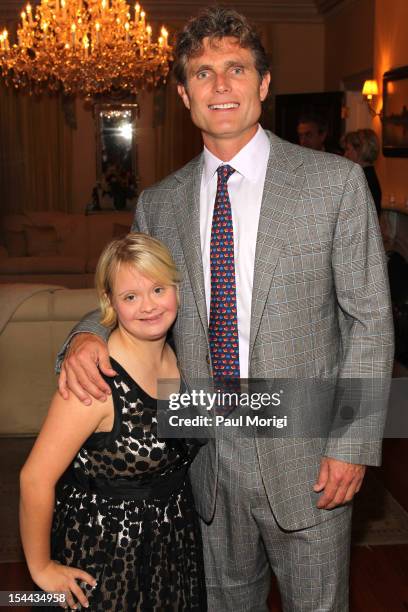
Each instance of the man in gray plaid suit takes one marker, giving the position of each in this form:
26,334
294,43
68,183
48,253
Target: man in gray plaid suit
312,303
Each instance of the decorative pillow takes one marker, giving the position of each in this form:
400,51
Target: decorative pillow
120,231
15,243
42,241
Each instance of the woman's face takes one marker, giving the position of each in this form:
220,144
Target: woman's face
351,153
145,308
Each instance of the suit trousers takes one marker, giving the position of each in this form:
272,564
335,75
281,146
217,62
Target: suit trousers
244,541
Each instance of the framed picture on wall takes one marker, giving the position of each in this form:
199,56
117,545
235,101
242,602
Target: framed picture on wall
395,113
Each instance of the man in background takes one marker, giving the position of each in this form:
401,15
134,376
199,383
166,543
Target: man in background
312,131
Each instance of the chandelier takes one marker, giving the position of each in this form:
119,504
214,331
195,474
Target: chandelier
84,47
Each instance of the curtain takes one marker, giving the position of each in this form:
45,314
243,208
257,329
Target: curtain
35,153
177,140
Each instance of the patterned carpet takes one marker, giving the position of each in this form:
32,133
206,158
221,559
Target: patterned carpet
378,518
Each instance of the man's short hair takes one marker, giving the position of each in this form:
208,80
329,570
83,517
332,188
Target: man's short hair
316,118
216,23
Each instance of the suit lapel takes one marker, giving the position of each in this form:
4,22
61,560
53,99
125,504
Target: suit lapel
283,183
187,214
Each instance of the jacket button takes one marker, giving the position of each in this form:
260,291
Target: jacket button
207,358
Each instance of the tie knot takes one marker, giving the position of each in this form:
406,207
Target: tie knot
224,172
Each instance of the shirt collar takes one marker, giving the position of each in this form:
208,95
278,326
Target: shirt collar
249,161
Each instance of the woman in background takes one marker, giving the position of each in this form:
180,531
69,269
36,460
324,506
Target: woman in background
124,524
363,147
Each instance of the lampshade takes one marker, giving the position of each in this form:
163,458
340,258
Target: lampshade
370,88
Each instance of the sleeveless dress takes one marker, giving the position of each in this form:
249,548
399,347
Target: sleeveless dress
125,513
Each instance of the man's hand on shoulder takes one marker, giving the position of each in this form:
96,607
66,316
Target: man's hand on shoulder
79,370
339,481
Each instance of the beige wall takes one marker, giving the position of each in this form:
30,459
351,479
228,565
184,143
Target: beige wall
349,41
296,51
391,51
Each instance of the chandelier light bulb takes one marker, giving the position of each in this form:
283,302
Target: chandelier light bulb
84,48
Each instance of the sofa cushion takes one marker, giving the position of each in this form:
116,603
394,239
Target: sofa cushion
71,232
42,241
74,303
119,230
61,305
71,229
100,230
72,281
38,328
42,265
15,242
15,222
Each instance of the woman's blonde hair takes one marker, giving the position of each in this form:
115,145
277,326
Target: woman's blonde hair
365,142
149,256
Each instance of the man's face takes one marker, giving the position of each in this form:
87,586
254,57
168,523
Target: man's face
224,92
310,137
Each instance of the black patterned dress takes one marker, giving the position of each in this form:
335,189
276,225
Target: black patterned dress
125,513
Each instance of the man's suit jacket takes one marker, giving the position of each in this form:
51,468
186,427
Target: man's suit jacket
320,309
320,306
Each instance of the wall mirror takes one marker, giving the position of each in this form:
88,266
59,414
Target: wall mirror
116,157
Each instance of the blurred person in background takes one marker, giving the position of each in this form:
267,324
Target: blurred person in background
362,147
312,131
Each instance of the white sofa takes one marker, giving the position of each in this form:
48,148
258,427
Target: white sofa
29,342
56,248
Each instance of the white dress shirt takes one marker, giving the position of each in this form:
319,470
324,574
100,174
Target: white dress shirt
245,189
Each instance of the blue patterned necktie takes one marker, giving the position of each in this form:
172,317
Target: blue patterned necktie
223,326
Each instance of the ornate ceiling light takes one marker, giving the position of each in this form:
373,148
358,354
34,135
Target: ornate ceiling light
84,47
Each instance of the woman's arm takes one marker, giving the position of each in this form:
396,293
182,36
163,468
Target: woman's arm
67,426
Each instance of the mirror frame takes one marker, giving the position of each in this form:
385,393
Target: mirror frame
116,106
390,146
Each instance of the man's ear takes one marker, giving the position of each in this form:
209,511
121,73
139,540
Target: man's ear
264,86
183,95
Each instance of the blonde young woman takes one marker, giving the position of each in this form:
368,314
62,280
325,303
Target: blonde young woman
107,516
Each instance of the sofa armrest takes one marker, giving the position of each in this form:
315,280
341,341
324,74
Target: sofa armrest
28,346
